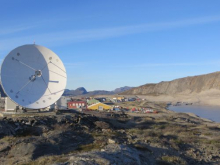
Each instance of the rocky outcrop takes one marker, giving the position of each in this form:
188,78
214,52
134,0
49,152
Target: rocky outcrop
110,154
103,138
187,85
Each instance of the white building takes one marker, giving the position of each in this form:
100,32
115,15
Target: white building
7,105
61,103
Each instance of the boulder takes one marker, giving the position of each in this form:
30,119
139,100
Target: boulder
111,154
23,150
4,146
111,141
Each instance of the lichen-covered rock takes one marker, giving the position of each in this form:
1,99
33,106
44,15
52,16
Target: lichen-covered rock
111,154
23,150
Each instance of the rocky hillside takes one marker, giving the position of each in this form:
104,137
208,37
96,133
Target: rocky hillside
187,85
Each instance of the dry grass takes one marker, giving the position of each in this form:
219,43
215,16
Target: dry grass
8,139
166,160
136,131
46,160
89,147
142,148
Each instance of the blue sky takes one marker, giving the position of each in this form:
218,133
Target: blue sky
114,43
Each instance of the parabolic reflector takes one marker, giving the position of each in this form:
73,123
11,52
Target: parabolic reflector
33,76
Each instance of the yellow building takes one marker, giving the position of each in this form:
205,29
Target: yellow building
99,106
121,98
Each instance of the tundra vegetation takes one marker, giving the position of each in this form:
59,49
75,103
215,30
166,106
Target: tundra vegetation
91,137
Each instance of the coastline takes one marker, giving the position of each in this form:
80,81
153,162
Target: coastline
209,97
206,112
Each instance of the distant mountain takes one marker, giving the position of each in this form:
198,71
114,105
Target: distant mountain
83,91
101,92
78,91
122,89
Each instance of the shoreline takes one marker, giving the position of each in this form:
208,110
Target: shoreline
204,98
195,108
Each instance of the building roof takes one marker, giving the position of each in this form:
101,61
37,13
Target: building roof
92,101
77,102
99,103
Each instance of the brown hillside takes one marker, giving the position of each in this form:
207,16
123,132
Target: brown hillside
187,85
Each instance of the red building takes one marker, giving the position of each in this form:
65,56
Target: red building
77,104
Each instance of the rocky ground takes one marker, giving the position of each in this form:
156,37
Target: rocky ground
100,138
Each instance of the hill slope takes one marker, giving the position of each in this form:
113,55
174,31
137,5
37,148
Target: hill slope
187,85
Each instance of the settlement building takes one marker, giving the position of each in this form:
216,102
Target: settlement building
121,98
101,99
62,102
77,104
92,101
100,106
7,105
132,99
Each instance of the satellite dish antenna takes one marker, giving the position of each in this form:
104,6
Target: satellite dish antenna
33,76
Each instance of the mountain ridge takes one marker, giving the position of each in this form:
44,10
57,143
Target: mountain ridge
83,91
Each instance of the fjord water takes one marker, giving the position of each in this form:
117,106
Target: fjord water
208,112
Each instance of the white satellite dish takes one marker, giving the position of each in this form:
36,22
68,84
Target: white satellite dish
33,76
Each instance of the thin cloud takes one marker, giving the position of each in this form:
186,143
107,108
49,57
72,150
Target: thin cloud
72,36
6,31
96,34
26,26
211,63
